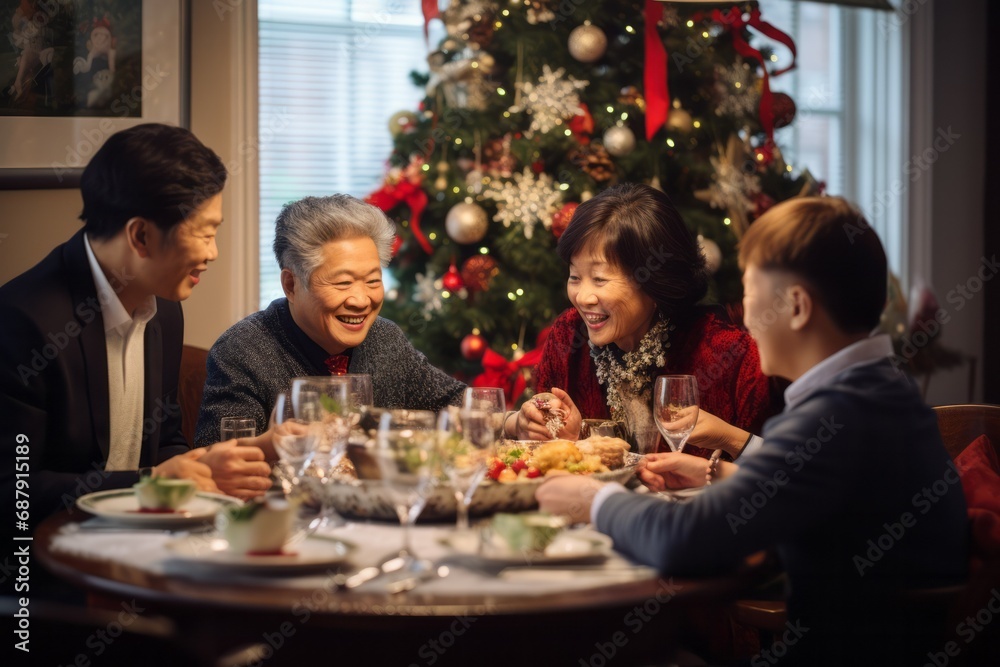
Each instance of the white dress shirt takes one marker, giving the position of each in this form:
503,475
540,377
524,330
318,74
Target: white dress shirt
124,336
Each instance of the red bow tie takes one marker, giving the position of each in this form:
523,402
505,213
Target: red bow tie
337,364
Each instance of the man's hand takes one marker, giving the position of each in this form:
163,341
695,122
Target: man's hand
531,420
238,469
568,495
187,466
672,470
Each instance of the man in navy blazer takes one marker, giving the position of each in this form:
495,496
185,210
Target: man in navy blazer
851,484
91,338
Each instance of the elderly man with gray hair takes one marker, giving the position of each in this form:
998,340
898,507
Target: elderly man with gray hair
331,251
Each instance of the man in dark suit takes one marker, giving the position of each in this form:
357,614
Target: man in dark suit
91,340
851,484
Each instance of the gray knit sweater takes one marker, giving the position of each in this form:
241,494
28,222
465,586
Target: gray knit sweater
257,358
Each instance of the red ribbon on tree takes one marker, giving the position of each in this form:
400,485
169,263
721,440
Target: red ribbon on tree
499,372
391,195
655,74
431,11
734,23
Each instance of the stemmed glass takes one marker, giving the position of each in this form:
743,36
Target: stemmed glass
404,450
294,440
324,404
675,408
466,443
490,399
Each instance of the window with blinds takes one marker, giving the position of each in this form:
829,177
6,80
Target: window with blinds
330,75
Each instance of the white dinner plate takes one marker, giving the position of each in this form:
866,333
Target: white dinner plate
213,551
121,505
569,546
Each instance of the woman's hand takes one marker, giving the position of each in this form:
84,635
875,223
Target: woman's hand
672,470
710,432
531,419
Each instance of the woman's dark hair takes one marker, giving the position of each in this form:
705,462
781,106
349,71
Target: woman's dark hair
153,171
640,232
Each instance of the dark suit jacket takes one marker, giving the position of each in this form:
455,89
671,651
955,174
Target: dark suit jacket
54,385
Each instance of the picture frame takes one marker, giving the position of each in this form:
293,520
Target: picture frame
53,139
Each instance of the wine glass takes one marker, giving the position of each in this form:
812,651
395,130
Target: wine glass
359,390
675,408
466,442
324,404
490,399
404,450
294,440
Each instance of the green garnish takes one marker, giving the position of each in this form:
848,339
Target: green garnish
330,405
244,512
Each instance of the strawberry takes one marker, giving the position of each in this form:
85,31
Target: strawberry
533,472
496,468
519,465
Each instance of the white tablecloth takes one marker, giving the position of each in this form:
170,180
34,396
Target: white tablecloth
372,543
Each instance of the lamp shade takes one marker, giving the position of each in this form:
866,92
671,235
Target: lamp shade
869,4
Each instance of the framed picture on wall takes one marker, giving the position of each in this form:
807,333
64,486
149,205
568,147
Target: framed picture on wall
74,72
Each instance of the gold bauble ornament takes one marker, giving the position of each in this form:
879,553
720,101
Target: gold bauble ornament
587,43
402,121
466,223
680,120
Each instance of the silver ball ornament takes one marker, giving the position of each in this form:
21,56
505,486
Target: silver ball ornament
466,223
587,43
619,141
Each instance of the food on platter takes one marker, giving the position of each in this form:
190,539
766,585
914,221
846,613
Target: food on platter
522,461
611,450
163,494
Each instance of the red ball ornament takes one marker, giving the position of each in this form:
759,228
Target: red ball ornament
478,271
452,279
473,347
582,125
562,218
784,110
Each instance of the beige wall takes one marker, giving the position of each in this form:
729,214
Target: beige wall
32,222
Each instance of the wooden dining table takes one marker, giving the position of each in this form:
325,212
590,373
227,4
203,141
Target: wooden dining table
634,621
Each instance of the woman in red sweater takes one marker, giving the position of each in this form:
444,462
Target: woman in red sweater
636,273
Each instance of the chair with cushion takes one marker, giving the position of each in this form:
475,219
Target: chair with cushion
190,387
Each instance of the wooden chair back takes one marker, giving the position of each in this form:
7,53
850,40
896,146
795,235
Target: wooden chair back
961,424
190,387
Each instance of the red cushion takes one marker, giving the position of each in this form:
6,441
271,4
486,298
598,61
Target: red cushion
979,467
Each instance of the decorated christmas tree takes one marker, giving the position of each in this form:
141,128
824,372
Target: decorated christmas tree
533,106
